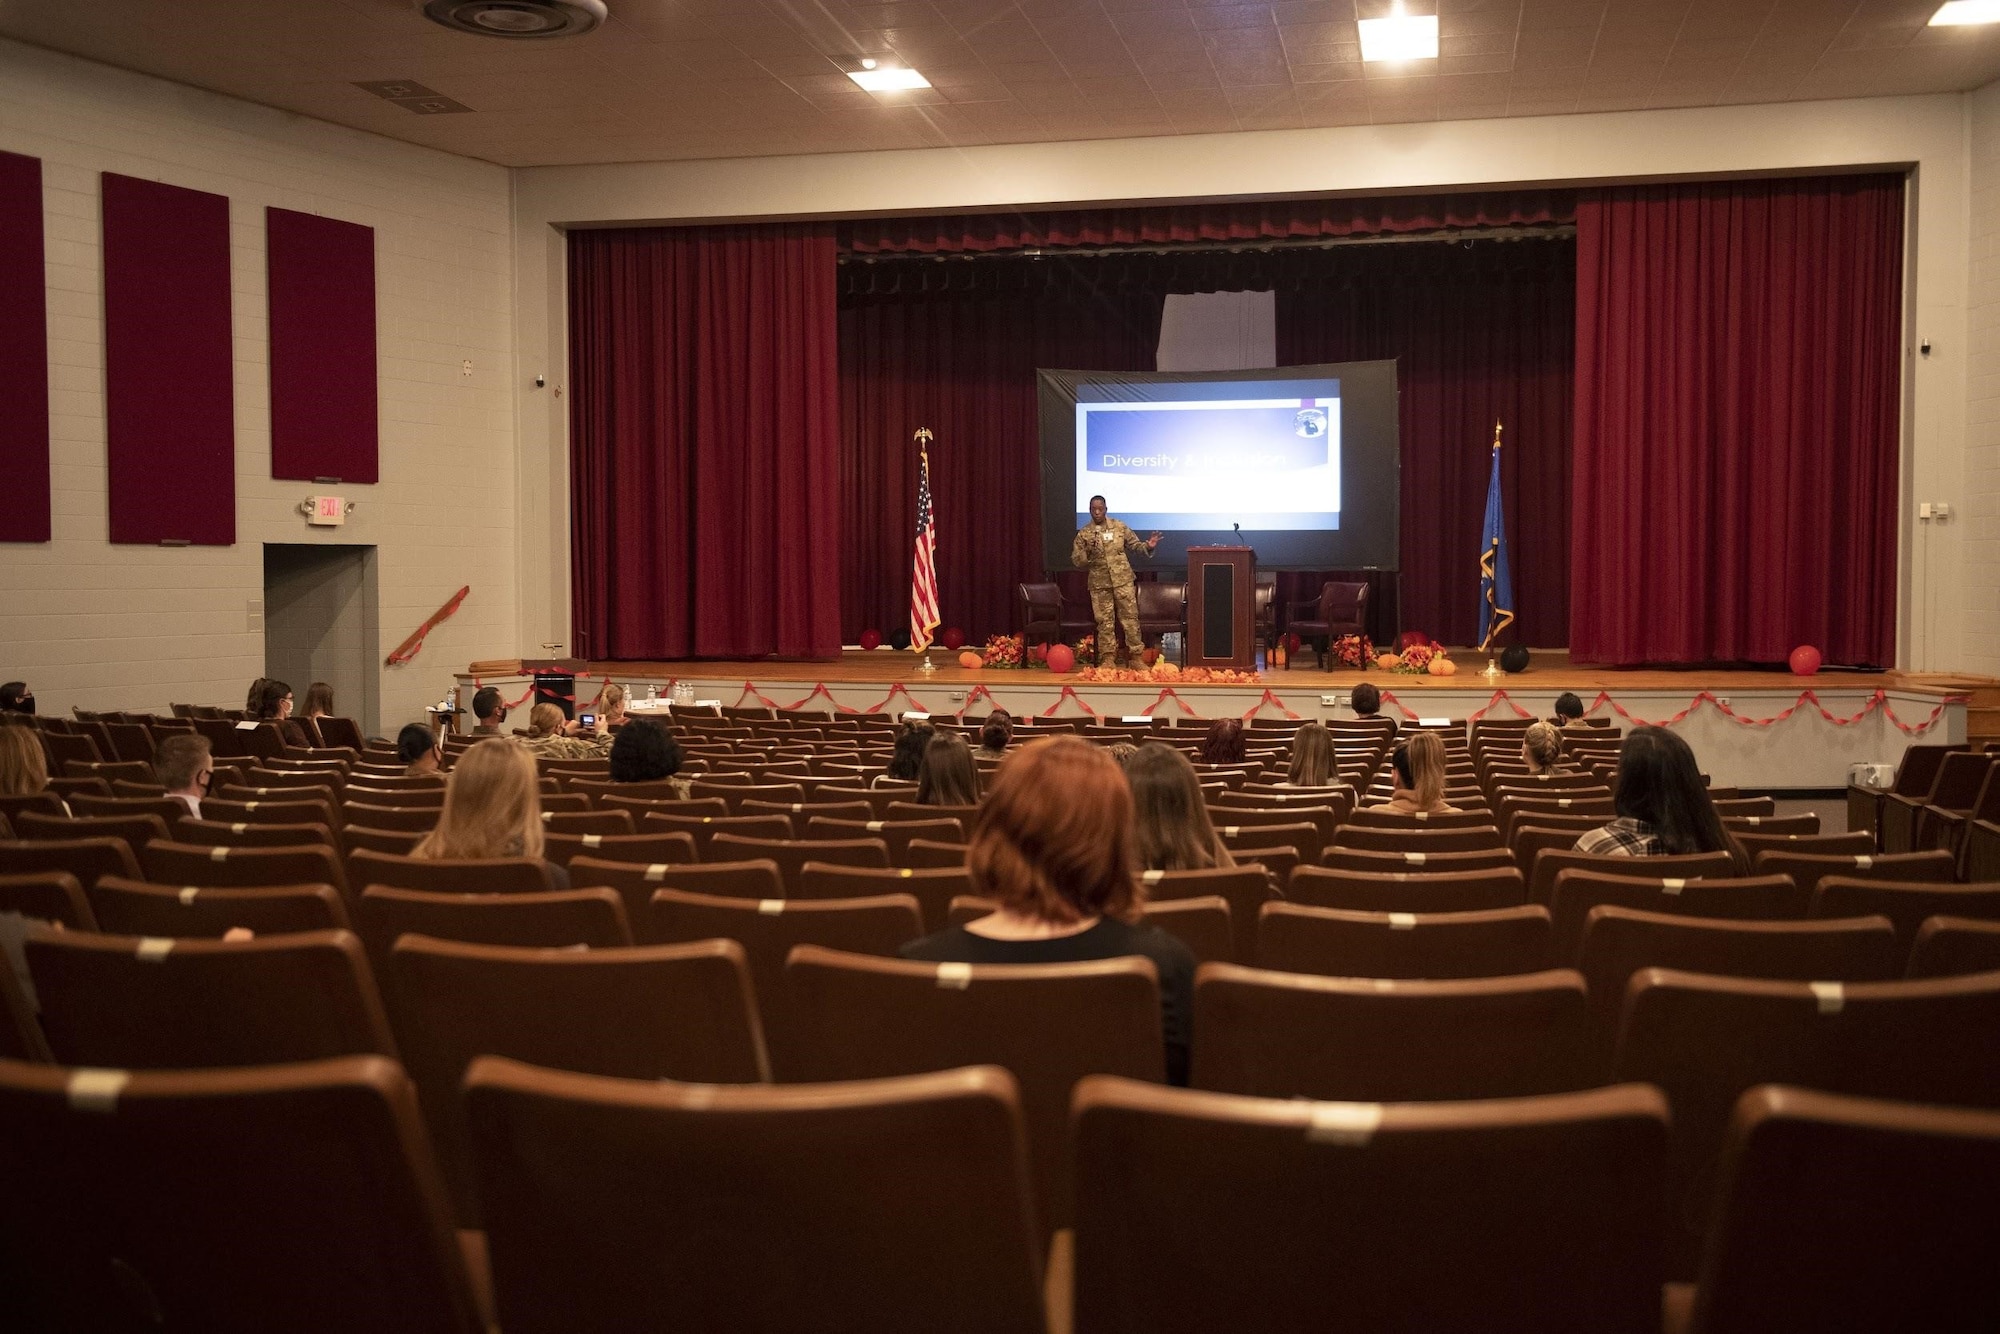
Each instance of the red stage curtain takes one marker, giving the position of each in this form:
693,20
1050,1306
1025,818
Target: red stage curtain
1269,220
1480,333
1737,406
24,350
704,442
963,363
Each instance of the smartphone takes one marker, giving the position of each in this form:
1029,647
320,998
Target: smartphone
587,719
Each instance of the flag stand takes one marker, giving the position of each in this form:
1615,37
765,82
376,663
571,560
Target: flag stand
926,666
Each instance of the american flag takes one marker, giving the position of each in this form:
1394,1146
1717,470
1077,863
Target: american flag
923,577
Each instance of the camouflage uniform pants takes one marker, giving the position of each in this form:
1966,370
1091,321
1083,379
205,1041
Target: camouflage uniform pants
1116,605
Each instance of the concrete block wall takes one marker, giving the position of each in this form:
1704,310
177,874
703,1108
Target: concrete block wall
1981,519
103,627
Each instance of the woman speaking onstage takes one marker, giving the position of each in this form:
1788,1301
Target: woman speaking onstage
1053,847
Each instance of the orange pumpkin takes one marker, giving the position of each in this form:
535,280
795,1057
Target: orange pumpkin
1442,666
968,659
1387,661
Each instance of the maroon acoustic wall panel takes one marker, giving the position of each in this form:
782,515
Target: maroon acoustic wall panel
170,418
322,284
24,352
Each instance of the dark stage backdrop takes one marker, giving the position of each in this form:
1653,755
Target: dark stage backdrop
704,442
1737,403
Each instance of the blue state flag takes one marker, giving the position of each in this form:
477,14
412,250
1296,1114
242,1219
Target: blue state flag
1496,588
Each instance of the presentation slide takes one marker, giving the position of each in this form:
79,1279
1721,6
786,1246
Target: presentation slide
1230,453
1302,464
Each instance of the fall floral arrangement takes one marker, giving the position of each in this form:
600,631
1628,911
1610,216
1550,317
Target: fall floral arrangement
1169,673
1006,651
1353,651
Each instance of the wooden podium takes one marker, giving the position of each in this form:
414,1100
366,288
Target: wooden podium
1222,607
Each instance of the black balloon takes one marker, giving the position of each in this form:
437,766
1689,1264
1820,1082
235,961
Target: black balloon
1514,659
900,640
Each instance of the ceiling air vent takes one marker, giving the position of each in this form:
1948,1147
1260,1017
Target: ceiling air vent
518,19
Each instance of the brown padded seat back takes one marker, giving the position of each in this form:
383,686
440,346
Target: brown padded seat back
413,820
896,833
1247,888
240,868
1907,905
85,858
285,1197
49,896
1751,898
1334,943
1414,889
636,882
933,887
562,848
654,1012
1688,866
137,1002
1205,1211
704,828
803,813
1050,1024
437,875
791,854
241,834
1704,1041
1618,942
1819,845
897,1206
136,830
1388,863
557,919
1807,870
1375,817
1852,1214
1475,838
1951,946
138,908
1288,1035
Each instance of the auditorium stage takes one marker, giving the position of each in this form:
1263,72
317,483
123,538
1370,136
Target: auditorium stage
1736,720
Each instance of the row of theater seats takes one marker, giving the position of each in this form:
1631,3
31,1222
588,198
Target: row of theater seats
1944,797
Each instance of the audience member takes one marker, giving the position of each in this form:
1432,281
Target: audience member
1542,748
254,701
274,705
1569,710
24,766
492,808
912,738
1419,766
1224,742
420,750
1314,762
1663,807
645,752
1123,751
1171,827
1053,846
319,701
186,769
549,736
996,733
1366,700
488,712
15,697
947,776
611,705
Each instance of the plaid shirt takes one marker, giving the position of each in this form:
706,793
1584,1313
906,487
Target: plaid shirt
1623,837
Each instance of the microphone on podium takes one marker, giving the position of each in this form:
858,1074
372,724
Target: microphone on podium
1239,533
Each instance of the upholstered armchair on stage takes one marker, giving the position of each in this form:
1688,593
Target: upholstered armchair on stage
1041,613
1162,609
1342,609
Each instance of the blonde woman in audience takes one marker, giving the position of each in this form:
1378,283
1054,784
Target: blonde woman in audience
24,768
946,776
1053,847
1419,765
1123,751
1542,749
1314,763
1170,819
492,808
611,705
548,737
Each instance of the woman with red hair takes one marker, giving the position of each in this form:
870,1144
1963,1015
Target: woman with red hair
1053,847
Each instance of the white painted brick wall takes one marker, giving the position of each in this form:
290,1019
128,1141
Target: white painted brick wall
1981,534
102,626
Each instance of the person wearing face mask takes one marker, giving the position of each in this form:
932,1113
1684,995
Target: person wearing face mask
488,712
274,705
185,768
15,697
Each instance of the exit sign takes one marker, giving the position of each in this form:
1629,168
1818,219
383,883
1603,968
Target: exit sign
327,510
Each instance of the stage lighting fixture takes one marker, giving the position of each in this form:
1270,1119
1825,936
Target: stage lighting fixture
1966,13
1400,36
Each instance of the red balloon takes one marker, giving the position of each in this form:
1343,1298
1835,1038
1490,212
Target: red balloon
953,639
1805,660
1061,658
871,639
1409,637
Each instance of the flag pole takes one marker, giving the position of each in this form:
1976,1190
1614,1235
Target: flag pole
923,439
1492,667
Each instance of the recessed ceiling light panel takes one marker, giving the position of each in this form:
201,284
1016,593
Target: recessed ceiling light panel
1966,13
1400,36
888,80
516,19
